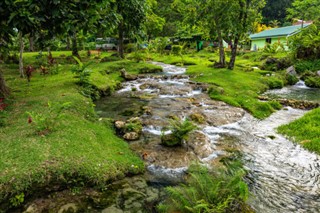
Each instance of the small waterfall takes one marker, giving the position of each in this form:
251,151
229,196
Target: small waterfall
301,84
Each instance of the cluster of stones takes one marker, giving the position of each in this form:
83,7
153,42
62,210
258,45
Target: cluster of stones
130,130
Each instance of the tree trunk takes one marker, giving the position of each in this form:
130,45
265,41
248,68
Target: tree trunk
4,90
222,57
21,55
233,53
31,43
68,43
75,45
121,52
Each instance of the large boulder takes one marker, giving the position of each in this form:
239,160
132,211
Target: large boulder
291,71
128,77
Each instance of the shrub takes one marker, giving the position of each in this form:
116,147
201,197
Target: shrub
176,49
129,48
303,66
208,191
313,82
291,79
82,72
180,131
274,83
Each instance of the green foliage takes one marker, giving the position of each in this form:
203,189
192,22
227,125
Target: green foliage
291,79
307,65
176,49
47,121
273,48
180,131
274,82
304,9
17,200
82,72
55,69
313,82
306,44
305,131
208,191
133,125
158,45
275,105
276,10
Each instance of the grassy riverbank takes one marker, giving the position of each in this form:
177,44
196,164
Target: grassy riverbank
239,87
305,131
50,134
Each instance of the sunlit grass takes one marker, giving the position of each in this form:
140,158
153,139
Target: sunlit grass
80,148
305,131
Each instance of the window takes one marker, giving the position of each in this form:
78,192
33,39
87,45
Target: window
268,40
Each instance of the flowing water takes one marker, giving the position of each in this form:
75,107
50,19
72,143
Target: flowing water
299,91
282,176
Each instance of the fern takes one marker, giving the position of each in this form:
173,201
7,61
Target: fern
207,191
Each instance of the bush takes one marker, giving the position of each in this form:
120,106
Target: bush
303,66
129,48
176,49
180,131
274,83
291,79
313,82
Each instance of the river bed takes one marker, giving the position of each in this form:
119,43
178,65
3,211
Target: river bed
283,177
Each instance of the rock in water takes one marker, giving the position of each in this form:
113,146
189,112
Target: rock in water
119,124
131,136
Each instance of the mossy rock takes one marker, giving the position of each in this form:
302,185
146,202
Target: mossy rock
198,118
216,90
170,140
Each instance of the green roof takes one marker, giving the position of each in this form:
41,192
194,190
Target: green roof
277,32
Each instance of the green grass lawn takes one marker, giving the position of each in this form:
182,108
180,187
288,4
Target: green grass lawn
79,149
305,131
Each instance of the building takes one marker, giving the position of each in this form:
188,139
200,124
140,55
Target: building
275,35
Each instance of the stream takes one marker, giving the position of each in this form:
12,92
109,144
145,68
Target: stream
282,176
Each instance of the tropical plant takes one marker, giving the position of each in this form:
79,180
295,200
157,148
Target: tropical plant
306,44
82,72
208,191
179,132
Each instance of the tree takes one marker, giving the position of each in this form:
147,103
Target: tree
244,14
131,16
304,10
173,17
154,23
210,16
275,10
21,17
